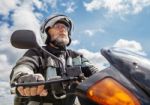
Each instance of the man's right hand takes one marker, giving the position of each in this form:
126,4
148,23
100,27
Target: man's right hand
33,90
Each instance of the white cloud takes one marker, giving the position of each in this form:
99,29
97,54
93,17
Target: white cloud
95,58
25,18
91,32
70,7
118,6
93,5
3,58
75,42
51,3
5,67
131,45
6,49
6,7
5,32
37,3
8,57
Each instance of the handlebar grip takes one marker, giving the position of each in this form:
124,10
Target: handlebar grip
27,84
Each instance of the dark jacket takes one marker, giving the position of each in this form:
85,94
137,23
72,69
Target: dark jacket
39,62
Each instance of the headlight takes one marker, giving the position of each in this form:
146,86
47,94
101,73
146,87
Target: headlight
109,92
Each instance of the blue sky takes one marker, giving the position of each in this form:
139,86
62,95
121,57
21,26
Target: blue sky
97,24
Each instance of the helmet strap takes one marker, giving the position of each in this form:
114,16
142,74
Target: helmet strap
69,41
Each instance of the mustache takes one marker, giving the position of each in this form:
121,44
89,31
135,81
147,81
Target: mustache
61,41
61,36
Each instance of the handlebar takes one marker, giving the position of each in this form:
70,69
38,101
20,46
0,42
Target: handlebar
45,82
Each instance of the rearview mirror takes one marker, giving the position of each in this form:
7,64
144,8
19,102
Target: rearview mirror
24,39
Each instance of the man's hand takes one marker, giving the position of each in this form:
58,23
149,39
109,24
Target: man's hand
33,90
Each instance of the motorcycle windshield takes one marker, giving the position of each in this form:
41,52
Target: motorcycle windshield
133,65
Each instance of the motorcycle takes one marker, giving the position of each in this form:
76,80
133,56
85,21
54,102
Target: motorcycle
125,82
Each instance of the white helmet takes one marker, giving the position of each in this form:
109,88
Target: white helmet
49,22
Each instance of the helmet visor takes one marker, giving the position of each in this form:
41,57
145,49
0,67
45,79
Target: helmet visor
59,19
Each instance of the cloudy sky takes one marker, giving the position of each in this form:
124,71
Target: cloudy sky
97,24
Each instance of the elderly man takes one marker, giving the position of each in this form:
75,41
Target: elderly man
33,66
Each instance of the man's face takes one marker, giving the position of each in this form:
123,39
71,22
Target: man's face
59,34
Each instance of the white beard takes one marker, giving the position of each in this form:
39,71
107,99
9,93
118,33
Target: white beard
61,41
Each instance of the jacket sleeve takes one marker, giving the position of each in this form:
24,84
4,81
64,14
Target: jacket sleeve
28,64
87,68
